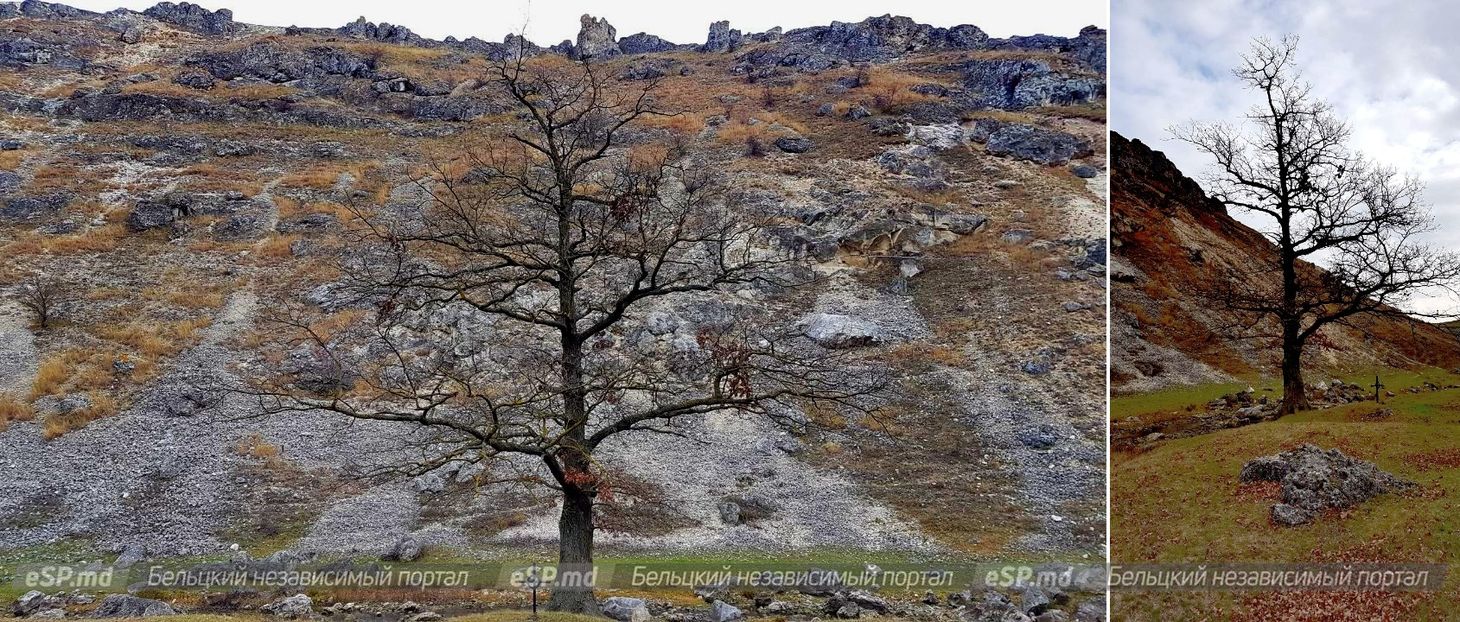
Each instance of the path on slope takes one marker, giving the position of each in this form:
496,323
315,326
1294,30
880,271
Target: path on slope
17,350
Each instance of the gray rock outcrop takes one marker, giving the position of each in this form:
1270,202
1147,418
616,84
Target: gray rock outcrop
596,38
1314,480
128,606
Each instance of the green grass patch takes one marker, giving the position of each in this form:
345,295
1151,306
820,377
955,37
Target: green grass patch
1179,399
1181,502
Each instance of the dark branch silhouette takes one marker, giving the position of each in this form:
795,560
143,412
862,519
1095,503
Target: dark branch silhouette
563,238
1329,206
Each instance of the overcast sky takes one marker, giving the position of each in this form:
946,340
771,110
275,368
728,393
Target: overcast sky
550,21
1388,66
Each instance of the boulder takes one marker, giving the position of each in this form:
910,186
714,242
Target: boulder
1034,600
1314,480
151,215
832,330
291,607
938,136
647,69
194,79
32,602
869,601
132,553
192,17
384,32
1027,142
9,182
33,207
1014,84
238,227
794,144
721,38
643,43
1091,611
720,611
625,609
128,606
406,549
596,38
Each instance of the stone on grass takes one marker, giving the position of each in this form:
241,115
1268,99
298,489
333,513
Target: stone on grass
128,606
1314,480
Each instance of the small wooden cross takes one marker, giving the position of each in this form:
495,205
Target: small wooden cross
1377,385
534,581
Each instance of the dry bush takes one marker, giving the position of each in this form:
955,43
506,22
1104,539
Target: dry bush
41,296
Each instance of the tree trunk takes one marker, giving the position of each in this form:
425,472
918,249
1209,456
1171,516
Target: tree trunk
574,590
1295,395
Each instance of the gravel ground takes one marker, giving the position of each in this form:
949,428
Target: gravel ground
149,476
17,350
170,483
813,508
1015,422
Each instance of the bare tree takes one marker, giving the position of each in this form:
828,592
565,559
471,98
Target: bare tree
564,237
1329,207
41,296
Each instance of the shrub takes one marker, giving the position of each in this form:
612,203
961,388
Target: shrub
41,296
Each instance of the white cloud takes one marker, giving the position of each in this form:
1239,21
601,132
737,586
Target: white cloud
1386,65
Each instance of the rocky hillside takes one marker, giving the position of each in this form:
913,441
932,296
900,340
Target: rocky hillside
176,178
1169,240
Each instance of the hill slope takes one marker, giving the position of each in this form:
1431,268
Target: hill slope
1168,240
183,176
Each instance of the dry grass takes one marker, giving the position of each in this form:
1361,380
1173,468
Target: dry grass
276,246
891,91
12,159
324,175
50,376
168,88
1005,116
1093,111
686,123
102,405
181,293
13,409
254,446
332,324
99,240
155,339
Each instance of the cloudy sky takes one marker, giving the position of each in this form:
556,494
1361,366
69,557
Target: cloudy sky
1388,66
550,21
